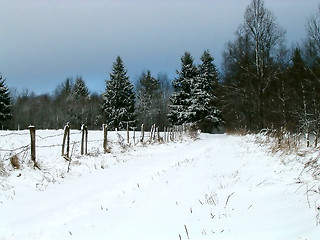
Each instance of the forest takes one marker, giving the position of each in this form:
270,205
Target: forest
262,84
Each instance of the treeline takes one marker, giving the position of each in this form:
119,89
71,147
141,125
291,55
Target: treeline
262,84
72,102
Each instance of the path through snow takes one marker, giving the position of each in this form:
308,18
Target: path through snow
219,187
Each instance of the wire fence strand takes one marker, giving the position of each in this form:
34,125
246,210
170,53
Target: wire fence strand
122,138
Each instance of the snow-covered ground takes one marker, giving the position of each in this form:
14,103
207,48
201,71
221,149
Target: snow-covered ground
217,187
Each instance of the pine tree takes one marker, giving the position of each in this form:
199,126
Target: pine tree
5,102
148,100
118,98
180,99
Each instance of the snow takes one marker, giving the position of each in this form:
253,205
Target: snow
217,187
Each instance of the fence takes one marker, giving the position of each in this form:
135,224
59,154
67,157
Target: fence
282,138
27,143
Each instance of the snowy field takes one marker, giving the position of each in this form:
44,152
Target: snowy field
217,187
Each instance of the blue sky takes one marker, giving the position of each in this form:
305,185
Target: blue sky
45,41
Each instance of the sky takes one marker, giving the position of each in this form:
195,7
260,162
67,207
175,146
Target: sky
43,42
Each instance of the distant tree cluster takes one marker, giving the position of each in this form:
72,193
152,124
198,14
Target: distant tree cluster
70,102
263,84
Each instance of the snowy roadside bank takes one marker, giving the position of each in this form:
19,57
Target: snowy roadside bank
218,187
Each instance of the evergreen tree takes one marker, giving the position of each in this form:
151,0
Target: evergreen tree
80,90
118,98
208,71
63,105
195,99
5,102
148,100
205,114
81,103
180,99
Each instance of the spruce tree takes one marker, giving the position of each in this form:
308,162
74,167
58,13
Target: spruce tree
148,100
195,100
80,89
81,103
181,98
5,102
208,71
118,98
205,114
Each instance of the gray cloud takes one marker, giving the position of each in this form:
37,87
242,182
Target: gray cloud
43,42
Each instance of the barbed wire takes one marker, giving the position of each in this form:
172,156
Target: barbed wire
15,133
18,153
52,136
15,149
49,146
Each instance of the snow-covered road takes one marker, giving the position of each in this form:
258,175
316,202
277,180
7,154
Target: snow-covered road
219,187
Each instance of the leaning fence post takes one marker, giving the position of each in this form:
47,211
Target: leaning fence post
33,143
105,137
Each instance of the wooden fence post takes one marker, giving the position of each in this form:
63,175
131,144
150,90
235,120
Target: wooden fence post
151,130
307,139
68,141
158,134
105,137
66,135
82,139
171,134
128,136
154,132
142,133
86,141
33,143
134,135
